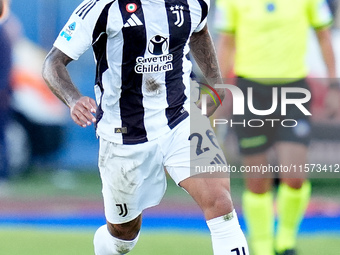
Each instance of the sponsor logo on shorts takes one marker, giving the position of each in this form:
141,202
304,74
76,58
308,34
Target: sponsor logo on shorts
123,210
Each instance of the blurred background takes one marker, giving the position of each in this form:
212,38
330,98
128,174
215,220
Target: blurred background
41,131
51,136
52,177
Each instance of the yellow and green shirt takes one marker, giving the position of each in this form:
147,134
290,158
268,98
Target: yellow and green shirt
271,35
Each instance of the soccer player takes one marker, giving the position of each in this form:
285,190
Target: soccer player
266,42
144,110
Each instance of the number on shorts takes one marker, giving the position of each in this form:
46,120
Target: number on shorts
210,135
199,149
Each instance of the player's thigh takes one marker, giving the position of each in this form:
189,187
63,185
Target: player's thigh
196,163
192,149
133,179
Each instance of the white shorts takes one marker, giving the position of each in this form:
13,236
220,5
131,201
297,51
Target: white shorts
133,176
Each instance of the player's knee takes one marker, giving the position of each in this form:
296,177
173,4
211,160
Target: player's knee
217,203
106,244
223,200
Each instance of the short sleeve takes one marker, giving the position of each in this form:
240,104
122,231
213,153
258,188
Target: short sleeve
205,5
319,13
201,25
225,16
77,35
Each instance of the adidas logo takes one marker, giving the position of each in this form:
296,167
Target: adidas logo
133,21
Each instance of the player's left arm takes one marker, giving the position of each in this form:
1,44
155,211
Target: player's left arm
203,50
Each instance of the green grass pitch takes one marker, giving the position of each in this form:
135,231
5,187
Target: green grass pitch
32,241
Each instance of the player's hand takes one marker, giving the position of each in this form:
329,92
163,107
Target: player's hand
82,111
211,106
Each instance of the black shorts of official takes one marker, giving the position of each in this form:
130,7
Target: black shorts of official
254,140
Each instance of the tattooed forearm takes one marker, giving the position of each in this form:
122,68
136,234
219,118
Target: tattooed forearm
58,79
204,53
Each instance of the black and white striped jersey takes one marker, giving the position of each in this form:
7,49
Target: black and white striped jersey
141,52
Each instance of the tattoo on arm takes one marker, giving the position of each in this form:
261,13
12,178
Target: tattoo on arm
58,78
203,51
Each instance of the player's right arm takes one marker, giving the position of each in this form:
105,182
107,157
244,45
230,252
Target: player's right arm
60,83
73,40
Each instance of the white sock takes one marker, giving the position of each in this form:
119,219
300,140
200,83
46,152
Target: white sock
227,236
106,244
